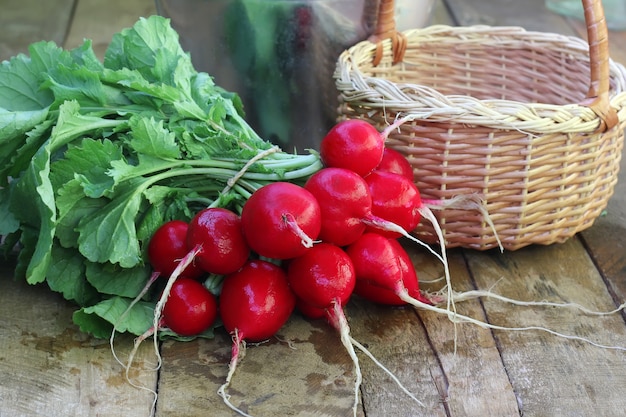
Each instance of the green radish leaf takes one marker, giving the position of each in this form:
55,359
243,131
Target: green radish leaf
152,48
100,318
78,84
88,160
15,124
8,222
67,276
109,235
34,192
18,154
114,280
71,124
21,76
73,206
149,137
139,90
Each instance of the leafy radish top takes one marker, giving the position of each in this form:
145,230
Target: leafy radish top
104,153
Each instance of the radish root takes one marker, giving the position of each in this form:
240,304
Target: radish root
387,371
238,352
338,320
157,323
392,227
459,318
143,292
466,202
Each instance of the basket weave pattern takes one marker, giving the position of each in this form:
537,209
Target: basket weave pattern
497,114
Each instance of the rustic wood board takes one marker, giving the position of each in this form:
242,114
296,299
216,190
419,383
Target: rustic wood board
304,371
53,368
23,22
537,362
468,354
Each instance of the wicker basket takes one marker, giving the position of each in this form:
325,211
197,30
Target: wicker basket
531,122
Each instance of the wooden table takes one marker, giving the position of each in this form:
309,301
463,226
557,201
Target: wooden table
47,367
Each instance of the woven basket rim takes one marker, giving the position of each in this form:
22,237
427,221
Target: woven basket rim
425,102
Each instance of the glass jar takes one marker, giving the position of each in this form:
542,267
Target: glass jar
280,55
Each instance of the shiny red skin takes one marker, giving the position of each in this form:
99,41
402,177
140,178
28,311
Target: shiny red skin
256,300
344,201
382,267
353,144
168,246
190,308
265,217
218,231
394,161
309,311
322,276
396,199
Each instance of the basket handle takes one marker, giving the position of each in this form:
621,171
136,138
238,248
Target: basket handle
598,39
597,36
386,29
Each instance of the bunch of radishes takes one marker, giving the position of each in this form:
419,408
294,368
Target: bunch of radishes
309,246
306,247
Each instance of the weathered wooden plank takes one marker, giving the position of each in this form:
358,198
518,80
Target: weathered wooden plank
397,338
468,354
26,21
99,21
304,371
541,365
48,367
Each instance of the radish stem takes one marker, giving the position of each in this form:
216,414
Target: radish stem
290,221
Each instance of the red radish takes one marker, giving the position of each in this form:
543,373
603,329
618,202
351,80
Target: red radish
255,302
216,242
219,235
190,309
281,220
168,246
323,278
396,199
356,145
352,144
394,161
346,205
344,201
375,258
309,311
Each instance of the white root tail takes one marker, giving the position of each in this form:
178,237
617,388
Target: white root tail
384,368
238,352
339,322
466,202
460,318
